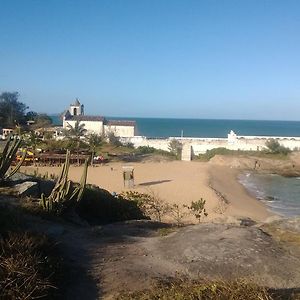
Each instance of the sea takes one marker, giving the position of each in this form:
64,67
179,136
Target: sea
164,127
280,194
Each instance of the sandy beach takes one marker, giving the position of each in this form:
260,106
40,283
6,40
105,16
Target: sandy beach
178,182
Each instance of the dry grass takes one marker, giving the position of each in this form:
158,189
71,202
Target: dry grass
26,268
208,290
30,264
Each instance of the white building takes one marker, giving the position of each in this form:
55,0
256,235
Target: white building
97,124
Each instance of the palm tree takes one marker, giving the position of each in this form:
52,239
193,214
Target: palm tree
94,140
74,134
75,131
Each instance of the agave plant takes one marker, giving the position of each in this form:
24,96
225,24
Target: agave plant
62,195
7,157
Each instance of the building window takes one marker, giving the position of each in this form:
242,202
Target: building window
75,111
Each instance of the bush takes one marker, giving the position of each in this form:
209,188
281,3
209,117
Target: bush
178,213
175,148
275,147
145,150
216,151
151,205
113,139
197,209
98,206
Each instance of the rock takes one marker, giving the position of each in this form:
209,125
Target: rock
21,177
227,251
227,220
247,222
27,188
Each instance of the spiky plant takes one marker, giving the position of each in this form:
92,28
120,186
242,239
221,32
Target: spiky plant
62,196
7,157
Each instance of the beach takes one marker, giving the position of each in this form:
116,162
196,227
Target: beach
178,182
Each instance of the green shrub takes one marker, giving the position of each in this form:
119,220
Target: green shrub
213,152
98,206
145,150
275,147
151,205
113,139
175,147
197,209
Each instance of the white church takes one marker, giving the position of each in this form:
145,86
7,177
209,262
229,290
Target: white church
97,124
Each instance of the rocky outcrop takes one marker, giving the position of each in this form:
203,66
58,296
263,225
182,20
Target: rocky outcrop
28,186
286,167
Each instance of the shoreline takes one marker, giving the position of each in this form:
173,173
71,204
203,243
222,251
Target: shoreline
242,204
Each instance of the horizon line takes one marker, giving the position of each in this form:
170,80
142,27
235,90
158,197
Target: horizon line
188,118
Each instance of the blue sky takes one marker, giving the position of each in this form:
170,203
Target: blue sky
155,58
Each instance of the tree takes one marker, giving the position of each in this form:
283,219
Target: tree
75,131
94,140
74,134
12,111
40,120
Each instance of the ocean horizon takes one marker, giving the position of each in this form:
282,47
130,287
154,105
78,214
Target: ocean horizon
207,128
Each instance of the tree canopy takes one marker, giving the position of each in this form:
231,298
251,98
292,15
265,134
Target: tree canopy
12,111
40,120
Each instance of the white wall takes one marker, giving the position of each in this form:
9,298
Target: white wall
122,131
201,145
91,126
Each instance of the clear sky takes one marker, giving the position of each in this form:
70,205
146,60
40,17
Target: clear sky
154,58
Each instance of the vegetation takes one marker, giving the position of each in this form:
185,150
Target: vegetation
62,196
94,141
224,151
145,150
274,147
152,150
98,206
208,290
150,204
12,111
25,266
30,266
197,209
7,157
175,148
113,139
38,120
178,213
